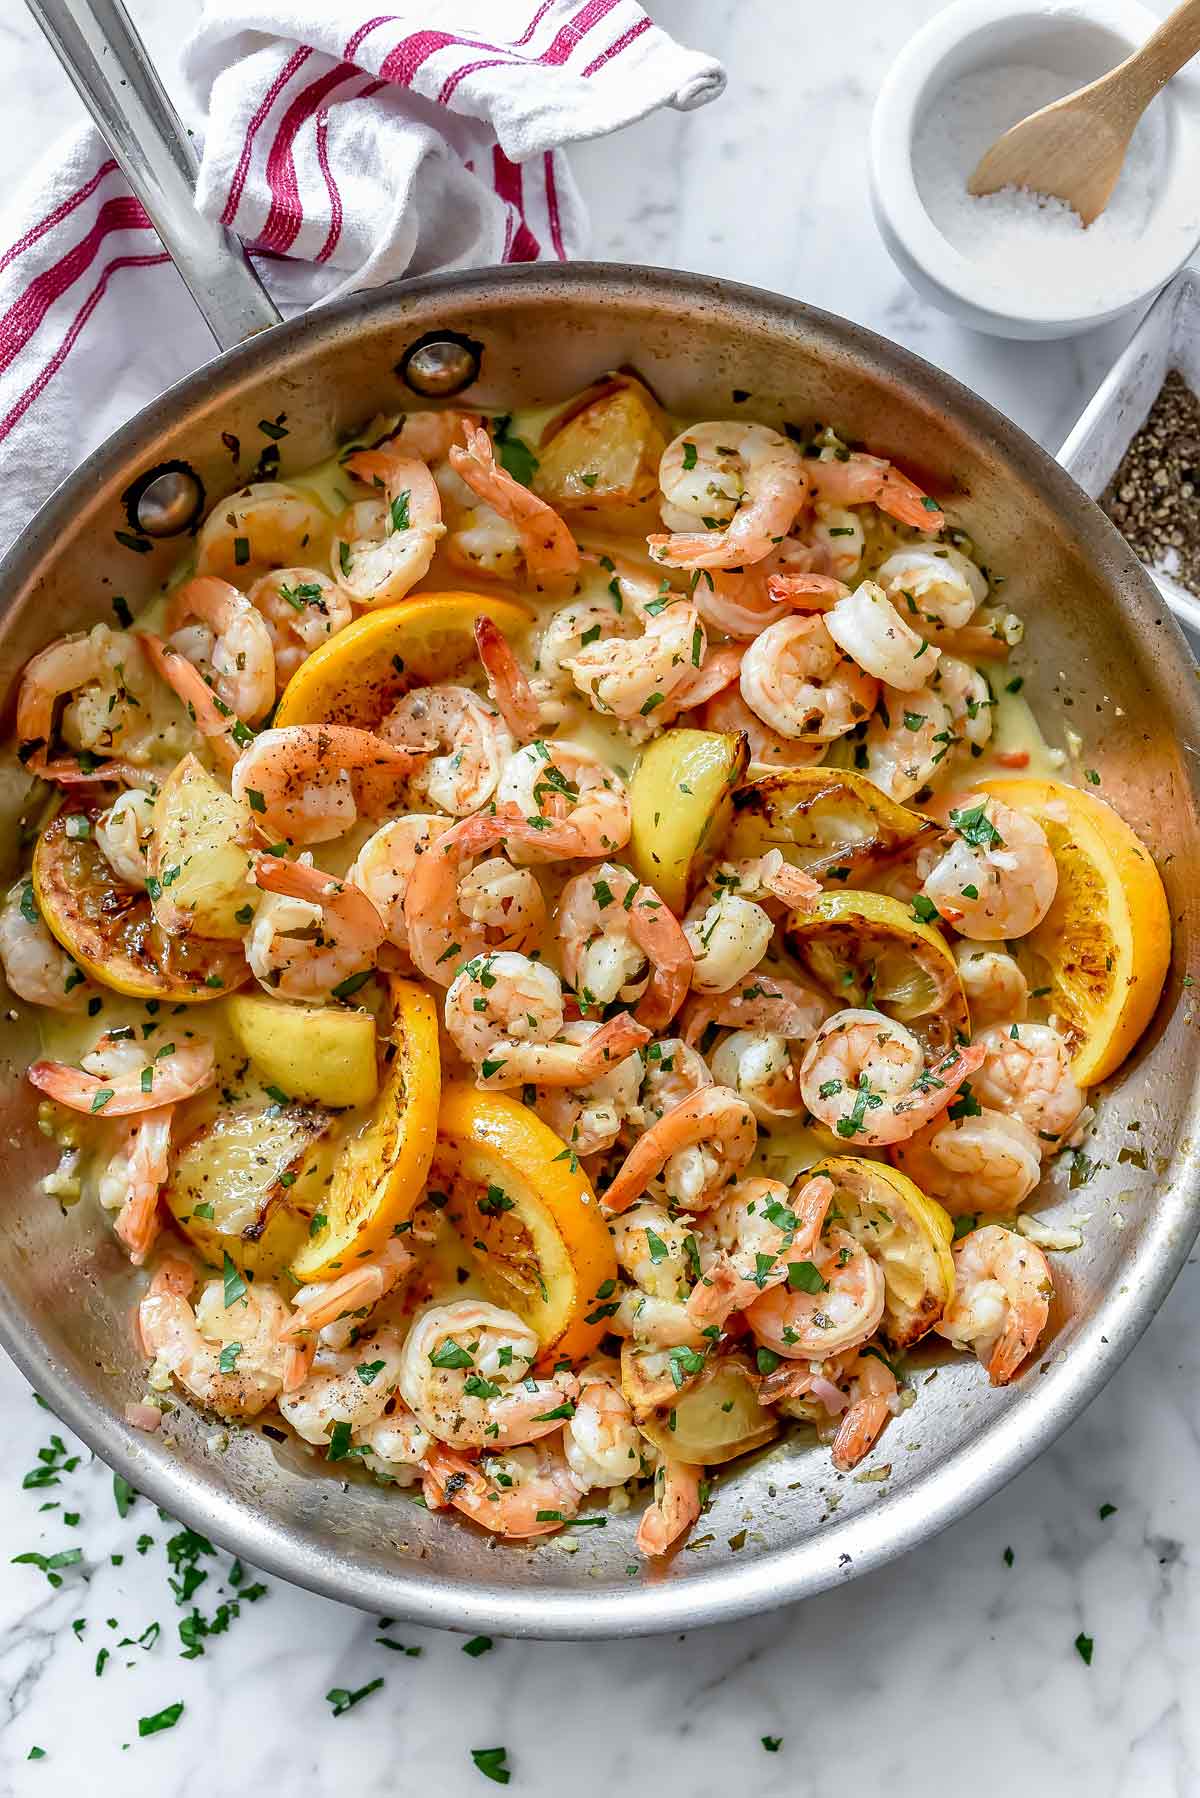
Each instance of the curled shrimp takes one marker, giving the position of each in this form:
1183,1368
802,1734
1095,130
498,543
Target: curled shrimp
383,867
217,722
453,913
469,741
939,585
986,1162
308,783
907,741
602,1443
551,685
145,1164
745,1237
1026,1073
714,1121
874,1399
762,1068
550,552
35,967
749,479
188,1344
728,929
674,1507
728,711
301,609
629,678
222,634
505,1015
741,602
589,1118
453,1350
566,784
839,478
997,876
529,1491
336,1391
110,1081
99,677
383,546
864,1076
969,699
866,626
122,833
996,988
797,680
324,1304
791,1009
843,1308
267,525
1001,1303
340,941
509,687
620,941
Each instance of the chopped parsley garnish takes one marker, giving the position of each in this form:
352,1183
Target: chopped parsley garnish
167,1718
235,1286
805,1276
343,1700
490,1761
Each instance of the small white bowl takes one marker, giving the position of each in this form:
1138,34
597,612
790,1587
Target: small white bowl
1079,40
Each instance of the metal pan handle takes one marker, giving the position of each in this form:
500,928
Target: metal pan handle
97,44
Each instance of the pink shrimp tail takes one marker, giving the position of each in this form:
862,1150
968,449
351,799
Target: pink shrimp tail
806,592
213,719
616,1039
507,682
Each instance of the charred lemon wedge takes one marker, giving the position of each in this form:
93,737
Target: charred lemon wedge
868,949
908,1234
247,1183
829,821
110,928
518,1197
679,802
714,1420
1104,946
359,674
380,1169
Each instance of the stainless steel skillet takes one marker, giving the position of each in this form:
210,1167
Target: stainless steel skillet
1104,659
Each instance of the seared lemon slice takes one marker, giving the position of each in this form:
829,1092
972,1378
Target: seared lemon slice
322,1054
357,677
868,949
714,1420
679,802
1105,944
908,1234
380,1171
518,1198
830,821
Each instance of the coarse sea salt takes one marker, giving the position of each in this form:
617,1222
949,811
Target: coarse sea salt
1029,242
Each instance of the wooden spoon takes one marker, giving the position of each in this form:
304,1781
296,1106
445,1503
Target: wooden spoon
1074,148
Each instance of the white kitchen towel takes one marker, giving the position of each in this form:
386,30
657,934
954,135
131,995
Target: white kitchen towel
348,148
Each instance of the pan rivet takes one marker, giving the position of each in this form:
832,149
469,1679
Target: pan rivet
169,503
440,363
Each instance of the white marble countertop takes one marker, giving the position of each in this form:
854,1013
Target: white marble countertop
950,1668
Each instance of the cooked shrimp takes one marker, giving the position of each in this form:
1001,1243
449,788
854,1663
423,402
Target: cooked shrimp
673,1509
996,988
383,546
751,482
122,834
873,1400
359,1387
760,1067
845,1303
568,631
301,609
216,722
146,1165
470,743
602,1443
768,750
938,585
714,1121
656,1251
100,677
36,969
789,1008
742,601
1001,1302
630,678
969,698
264,526
188,1344
796,679
729,931
341,942
987,1162
997,876
453,913
465,1374
429,435
866,626
222,634
310,783
1026,1073
384,865
841,478
508,685
550,552
565,783
589,1118
837,540
619,940
111,1081
323,1304
744,1239
526,1492
864,1076
505,1014
907,741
